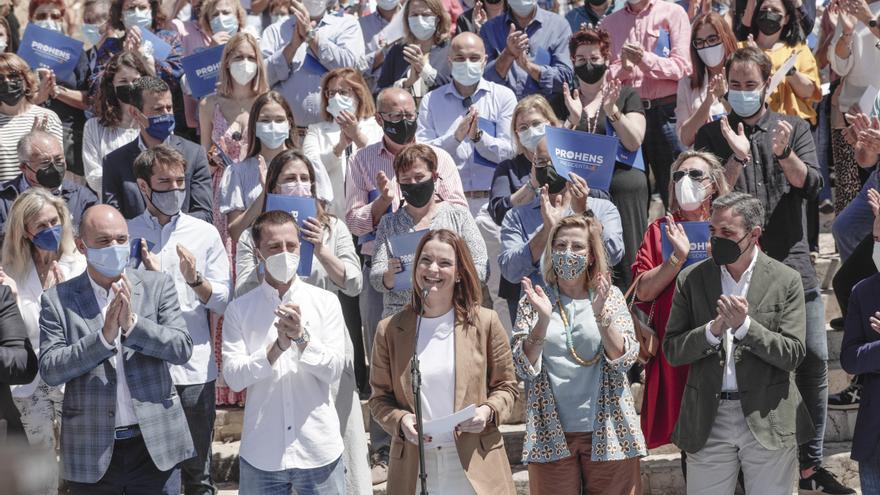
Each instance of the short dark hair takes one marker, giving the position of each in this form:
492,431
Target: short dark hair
274,217
161,155
750,54
407,157
743,205
146,84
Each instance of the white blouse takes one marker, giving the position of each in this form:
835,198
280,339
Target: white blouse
689,101
240,185
436,348
98,142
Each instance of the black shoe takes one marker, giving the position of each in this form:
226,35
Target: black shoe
847,398
826,207
822,482
837,323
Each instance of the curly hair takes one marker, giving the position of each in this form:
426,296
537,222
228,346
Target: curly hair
115,20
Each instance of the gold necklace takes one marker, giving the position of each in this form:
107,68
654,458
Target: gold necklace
568,340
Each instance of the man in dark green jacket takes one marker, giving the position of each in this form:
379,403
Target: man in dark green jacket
738,320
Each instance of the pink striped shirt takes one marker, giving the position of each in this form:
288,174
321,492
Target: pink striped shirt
360,179
656,76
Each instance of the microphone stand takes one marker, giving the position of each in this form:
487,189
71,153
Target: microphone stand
417,394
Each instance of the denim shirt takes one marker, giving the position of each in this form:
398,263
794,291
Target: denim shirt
617,433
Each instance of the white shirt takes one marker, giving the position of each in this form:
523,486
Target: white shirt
125,415
859,70
330,169
30,292
98,142
730,287
202,240
436,350
290,421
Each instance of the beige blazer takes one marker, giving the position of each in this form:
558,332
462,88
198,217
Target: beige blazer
483,375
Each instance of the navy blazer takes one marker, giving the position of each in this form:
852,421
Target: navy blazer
860,355
18,363
78,199
120,185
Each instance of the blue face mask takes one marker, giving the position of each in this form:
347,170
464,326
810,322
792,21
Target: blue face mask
161,126
143,18
48,239
168,202
225,23
746,103
92,33
109,261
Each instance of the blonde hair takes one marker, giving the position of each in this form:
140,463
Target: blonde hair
444,22
17,248
207,11
597,261
716,174
259,84
527,104
11,65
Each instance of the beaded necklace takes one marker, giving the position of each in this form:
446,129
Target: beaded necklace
568,340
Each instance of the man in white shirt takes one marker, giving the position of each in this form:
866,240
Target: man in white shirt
191,252
739,321
470,119
110,335
284,342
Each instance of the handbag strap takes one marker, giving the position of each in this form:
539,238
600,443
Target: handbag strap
630,297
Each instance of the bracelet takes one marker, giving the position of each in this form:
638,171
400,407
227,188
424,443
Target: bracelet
785,153
279,346
604,319
742,162
534,341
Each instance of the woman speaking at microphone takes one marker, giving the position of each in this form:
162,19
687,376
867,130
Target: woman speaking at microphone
464,359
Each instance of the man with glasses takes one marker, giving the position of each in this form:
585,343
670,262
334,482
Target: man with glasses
42,164
772,157
456,117
370,192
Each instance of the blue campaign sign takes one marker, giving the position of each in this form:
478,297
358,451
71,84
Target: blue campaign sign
488,127
371,196
202,70
313,65
155,45
404,246
632,158
44,48
589,155
301,209
663,46
697,233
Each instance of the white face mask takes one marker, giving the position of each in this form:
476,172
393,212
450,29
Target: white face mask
712,56
522,8
272,134
467,73
422,26
876,255
282,266
689,194
339,104
2,45
243,71
316,8
387,4
529,138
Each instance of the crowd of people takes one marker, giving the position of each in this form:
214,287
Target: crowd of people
149,276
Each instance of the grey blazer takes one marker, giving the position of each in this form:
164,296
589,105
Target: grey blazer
72,353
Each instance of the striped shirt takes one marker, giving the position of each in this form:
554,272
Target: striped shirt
13,128
360,180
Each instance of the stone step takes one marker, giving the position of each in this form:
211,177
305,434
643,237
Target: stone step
661,469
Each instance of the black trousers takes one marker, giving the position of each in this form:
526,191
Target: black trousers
131,472
856,268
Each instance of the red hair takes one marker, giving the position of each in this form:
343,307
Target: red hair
35,4
721,27
590,36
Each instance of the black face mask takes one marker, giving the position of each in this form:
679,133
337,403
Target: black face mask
11,91
418,194
769,22
725,251
596,3
548,176
493,2
123,93
589,72
401,132
50,177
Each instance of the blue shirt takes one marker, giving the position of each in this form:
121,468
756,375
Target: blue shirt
584,14
340,44
441,111
522,223
371,26
549,34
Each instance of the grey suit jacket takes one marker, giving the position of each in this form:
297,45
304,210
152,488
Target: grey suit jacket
765,358
71,352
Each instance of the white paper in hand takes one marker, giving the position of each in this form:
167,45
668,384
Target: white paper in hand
777,78
394,30
447,424
866,102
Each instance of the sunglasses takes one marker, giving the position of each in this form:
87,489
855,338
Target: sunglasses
694,174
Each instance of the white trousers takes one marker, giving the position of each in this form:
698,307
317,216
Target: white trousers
445,474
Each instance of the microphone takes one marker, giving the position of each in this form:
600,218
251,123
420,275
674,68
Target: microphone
417,394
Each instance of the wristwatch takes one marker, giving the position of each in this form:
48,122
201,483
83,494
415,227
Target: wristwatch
310,35
198,281
873,23
785,153
302,339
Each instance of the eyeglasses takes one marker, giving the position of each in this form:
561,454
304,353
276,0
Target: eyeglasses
330,93
42,16
711,40
50,162
397,116
694,174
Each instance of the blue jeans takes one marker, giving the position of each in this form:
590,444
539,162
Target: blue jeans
854,222
822,138
324,480
199,407
869,475
661,145
812,378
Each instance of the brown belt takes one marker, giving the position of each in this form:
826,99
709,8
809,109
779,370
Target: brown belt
659,102
476,194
